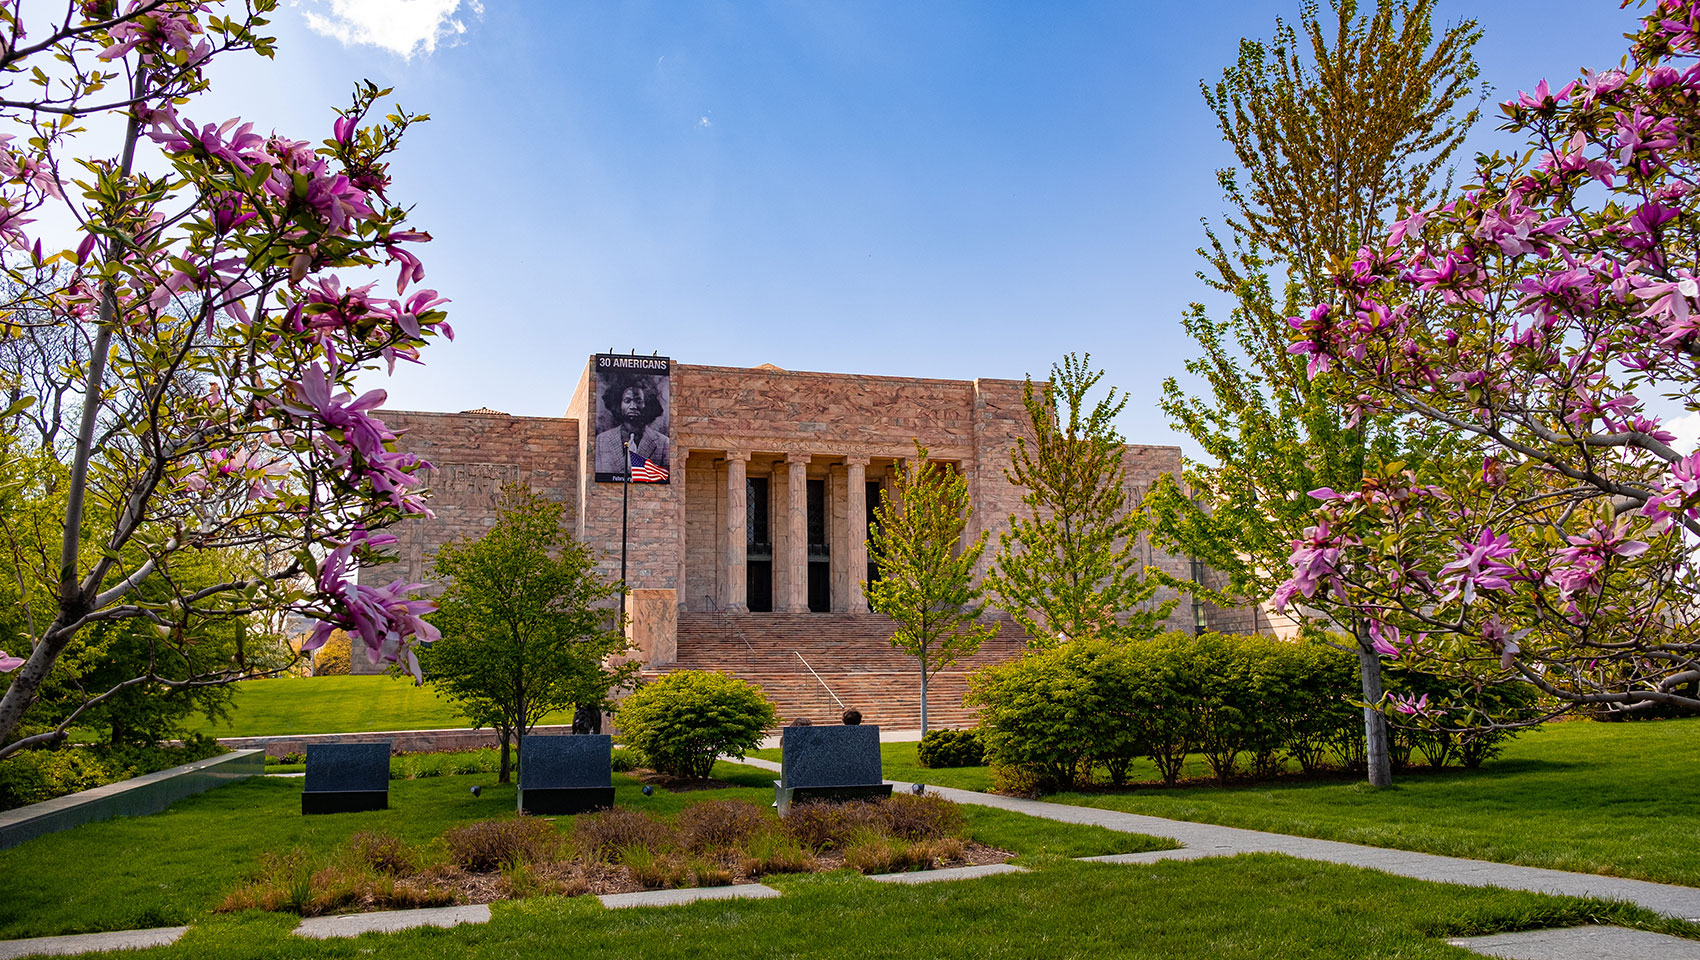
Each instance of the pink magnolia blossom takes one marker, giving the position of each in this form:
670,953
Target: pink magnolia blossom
387,619
1384,638
1314,559
1500,640
1480,566
1409,705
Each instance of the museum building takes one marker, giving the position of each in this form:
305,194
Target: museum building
744,529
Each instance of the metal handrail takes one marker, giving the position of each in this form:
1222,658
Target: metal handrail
828,689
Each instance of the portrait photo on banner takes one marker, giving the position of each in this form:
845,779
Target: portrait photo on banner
631,396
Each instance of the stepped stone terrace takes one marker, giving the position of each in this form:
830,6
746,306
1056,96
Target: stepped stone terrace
749,556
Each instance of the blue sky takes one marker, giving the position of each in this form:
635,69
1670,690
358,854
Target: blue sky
922,189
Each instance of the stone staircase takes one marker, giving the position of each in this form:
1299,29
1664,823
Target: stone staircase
852,656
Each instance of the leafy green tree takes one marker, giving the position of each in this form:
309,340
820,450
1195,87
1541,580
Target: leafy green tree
1068,569
336,657
125,680
524,628
926,579
1336,126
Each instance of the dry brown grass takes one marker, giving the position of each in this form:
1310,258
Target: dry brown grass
617,851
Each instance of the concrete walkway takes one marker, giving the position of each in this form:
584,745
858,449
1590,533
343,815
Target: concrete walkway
88,942
886,736
1203,839
1582,943
389,921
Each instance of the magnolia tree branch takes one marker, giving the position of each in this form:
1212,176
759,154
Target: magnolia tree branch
201,321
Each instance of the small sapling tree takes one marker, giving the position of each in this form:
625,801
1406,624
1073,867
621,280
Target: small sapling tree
1068,568
1336,123
525,627
926,582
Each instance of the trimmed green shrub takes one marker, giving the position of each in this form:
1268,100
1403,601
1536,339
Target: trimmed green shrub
1042,714
1244,704
682,721
31,776
950,748
623,760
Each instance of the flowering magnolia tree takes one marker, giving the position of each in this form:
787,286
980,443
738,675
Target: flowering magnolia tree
186,364
1539,317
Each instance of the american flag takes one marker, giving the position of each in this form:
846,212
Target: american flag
645,470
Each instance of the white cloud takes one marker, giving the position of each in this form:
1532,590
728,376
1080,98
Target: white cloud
1687,430
403,27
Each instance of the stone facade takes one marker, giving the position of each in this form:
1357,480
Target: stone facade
799,438
472,455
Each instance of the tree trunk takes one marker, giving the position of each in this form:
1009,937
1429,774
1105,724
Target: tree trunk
923,699
1375,724
502,777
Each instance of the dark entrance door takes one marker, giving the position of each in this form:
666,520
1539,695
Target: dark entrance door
875,493
820,560
758,548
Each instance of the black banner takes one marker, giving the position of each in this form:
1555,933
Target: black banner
630,398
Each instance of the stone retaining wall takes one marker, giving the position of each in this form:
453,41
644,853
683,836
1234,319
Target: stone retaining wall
402,741
136,797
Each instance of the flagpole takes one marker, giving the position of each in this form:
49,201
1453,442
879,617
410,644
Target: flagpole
625,502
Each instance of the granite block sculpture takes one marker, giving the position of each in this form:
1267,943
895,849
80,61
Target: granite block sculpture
347,777
561,775
829,763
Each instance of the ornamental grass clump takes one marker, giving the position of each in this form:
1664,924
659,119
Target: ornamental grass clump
611,836
383,852
912,818
486,846
823,826
356,878
775,851
719,823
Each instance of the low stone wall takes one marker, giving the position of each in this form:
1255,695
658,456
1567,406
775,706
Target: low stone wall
402,741
136,797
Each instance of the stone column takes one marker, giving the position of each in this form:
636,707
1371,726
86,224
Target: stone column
857,523
779,532
838,529
736,596
797,534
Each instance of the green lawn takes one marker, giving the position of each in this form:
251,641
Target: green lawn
1232,909
264,708
1614,798
898,760
174,867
